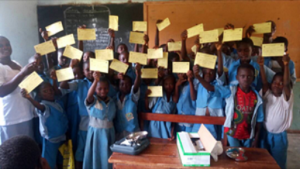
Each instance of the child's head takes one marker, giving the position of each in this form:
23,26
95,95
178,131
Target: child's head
40,66
125,85
209,75
152,62
102,88
46,91
277,84
256,51
164,46
173,57
87,72
168,71
122,48
5,48
182,76
78,73
62,60
21,152
206,49
281,39
226,49
124,57
168,84
88,55
245,75
244,49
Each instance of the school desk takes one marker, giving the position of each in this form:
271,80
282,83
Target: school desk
162,153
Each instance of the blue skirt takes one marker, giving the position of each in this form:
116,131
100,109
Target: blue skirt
159,129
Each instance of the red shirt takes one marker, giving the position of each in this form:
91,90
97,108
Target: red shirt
243,111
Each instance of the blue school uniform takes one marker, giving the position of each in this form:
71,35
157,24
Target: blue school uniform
101,134
127,118
160,129
131,73
185,106
53,126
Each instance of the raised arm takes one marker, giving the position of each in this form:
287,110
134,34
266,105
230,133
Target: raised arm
55,86
265,87
205,84
90,95
183,46
157,34
35,103
137,81
160,76
197,43
80,42
145,46
218,46
192,88
112,38
148,92
286,76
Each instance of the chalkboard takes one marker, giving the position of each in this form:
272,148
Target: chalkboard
93,16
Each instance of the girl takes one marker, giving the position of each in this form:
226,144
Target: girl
101,133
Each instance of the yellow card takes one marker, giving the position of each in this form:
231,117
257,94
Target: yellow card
155,53
118,66
139,26
220,30
165,23
233,35
181,67
64,74
163,62
273,49
195,30
86,34
156,91
136,57
72,53
209,36
104,54
206,60
114,22
174,46
257,41
136,37
149,73
54,28
194,49
99,65
31,82
65,41
261,28
45,48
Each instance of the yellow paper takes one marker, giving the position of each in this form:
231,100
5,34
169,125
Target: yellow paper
163,62
233,35
72,53
54,28
104,54
113,22
118,66
194,49
86,34
45,48
31,82
136,37
149,73
156,91
181,67
220,30
174,46
209,36
206,60
65,41
273,49
64,74
139,26
136,57
165,23
155,53
195,30
257,41
262,27
99,65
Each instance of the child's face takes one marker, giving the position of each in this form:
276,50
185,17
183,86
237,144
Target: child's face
78,74
152,62
62,60
102,89
256,51
245,77
277,85
125,86
87,56
123,57
40,67
209,75
169,85
244,52
5,48
121,49
226,50
47,92
86,71
182,76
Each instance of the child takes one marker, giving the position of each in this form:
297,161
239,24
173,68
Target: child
166,105
124,57
101,132
127,99
278,104
244,111
54,123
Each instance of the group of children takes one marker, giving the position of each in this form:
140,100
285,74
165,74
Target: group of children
97,109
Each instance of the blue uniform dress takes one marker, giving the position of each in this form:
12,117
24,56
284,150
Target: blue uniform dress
53,126
81,86
161,129
101,134
185,106
215,105
131,73
127,118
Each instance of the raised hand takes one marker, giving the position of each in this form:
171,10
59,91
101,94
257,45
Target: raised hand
184,35
25,94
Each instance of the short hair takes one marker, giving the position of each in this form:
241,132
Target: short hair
246,66
20,152
103,80
172,55
128,78
3,37
126,48
169,77
277,75
246,41
281,39
38,89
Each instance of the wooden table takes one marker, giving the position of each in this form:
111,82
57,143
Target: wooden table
164,154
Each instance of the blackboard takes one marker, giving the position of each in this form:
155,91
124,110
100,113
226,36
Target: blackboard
93,16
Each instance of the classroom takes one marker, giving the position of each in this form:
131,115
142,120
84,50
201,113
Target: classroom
99,84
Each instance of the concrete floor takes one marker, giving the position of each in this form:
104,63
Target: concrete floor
293,157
